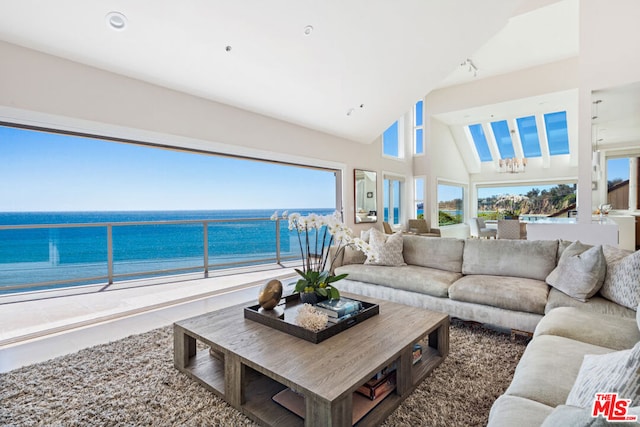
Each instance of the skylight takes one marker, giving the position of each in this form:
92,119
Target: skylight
503,139
480,141
523,140
557,134
529,136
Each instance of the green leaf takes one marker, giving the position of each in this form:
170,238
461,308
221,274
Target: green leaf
300,285
335,294
322,277
322,291
336,278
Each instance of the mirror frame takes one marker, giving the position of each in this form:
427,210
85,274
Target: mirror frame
370,215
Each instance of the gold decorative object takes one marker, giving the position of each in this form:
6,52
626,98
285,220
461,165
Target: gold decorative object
270,295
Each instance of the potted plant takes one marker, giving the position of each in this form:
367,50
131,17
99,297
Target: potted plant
316,234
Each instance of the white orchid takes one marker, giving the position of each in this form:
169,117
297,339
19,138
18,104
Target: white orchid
316,229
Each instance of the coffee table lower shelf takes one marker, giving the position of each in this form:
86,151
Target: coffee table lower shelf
259,389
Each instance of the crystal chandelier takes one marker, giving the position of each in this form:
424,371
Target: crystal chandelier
512,165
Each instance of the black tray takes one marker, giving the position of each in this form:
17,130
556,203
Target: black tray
291,304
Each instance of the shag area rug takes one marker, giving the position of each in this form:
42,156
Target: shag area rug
133,382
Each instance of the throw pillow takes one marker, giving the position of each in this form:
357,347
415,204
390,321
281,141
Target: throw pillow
622,281
353,256
617,372
580,271
387,249
366,234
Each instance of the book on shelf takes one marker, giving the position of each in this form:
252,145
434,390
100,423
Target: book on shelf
339,307
361,405
375,388
417,353
334,320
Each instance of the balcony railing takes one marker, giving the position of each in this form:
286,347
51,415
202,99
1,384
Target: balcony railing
45,256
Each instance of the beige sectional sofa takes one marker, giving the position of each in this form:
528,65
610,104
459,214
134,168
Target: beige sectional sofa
504,283
552,371
497,282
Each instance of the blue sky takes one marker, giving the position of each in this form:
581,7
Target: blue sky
49,172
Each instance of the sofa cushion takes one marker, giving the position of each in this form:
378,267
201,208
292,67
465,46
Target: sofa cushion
604,330
573,416
353,256
510,293
597,304
580,271
549,367
622,278
509,411
386,249
533,259
424,280
442,253
617,372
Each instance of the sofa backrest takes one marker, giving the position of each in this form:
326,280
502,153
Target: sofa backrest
532,259
436,252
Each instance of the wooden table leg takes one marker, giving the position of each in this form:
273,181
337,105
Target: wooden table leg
234,372
184,347
319,412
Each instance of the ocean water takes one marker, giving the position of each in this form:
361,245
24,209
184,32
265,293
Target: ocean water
79,255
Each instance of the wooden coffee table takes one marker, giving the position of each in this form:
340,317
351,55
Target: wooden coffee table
250,362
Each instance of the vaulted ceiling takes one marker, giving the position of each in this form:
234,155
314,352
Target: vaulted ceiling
348,68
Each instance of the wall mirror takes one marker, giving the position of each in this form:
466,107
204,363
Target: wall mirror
365,196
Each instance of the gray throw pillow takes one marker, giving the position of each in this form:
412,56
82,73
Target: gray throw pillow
387,249
580,271
617,372
622,281
353,256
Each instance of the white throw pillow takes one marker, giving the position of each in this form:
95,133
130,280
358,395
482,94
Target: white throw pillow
387,249
580,271
622,281
366,234
617,372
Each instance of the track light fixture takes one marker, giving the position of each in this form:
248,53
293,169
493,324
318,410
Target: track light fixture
472,67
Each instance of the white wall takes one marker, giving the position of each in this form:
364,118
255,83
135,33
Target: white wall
608,58
443,163
48,91
444,160
609,34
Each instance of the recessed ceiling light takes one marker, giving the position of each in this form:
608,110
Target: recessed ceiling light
308,30
116,21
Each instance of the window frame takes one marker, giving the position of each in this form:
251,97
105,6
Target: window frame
400,140
418,128
465,191
419,198
388,194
